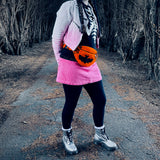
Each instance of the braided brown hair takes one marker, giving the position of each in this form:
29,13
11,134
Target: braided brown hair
80,8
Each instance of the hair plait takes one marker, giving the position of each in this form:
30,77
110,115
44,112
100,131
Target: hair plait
80,8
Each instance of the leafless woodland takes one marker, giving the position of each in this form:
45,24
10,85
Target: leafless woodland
24,22
129,27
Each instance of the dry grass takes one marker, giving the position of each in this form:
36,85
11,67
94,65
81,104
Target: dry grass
129,80
18,72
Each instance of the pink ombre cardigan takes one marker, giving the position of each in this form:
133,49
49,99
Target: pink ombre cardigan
66,30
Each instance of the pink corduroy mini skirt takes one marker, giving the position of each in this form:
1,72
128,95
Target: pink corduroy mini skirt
71,73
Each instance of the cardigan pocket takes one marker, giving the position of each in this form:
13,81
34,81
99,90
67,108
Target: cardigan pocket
79,27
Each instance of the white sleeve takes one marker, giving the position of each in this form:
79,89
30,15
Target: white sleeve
63,20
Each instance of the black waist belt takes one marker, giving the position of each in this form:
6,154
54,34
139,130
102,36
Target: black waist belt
67,54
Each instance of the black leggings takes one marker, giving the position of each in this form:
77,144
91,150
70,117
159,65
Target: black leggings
72,93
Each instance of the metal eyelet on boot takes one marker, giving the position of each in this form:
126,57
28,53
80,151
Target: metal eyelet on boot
102,139
68,142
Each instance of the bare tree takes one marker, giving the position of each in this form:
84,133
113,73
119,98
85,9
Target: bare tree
24,22
151,23
132,28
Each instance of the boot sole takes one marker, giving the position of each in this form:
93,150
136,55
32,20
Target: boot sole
70,152
104,146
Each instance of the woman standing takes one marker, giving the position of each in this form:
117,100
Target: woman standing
76,31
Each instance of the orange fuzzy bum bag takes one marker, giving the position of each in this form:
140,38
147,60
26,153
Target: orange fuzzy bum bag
84,55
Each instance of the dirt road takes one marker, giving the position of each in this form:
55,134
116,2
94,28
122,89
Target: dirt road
32,127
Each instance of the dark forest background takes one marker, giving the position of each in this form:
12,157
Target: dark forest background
130,28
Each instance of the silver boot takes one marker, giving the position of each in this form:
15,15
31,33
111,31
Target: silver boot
68,142
101,138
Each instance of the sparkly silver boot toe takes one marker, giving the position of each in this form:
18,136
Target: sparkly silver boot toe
68,142
102,139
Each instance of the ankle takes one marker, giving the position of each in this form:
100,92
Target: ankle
69,129
102,127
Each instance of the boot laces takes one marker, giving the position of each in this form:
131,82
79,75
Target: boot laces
104,135
69,137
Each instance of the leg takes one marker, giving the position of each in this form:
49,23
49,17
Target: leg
97,94
72,94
